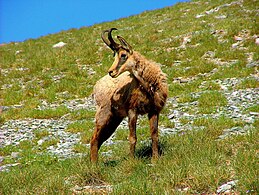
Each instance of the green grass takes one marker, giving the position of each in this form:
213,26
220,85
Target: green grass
195,160
85,128
210,101
248,83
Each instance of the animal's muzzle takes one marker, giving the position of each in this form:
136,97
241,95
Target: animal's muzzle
112,73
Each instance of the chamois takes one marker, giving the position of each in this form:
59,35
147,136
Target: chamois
134,86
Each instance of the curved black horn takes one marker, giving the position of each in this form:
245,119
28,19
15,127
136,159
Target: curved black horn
110,42
125,44
104,39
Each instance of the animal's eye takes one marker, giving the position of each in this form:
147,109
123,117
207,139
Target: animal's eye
123,56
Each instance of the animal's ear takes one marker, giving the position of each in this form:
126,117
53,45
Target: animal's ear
125,45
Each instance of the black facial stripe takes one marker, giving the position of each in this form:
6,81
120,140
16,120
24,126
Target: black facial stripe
122,61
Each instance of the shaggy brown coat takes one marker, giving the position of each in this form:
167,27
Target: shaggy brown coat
143,90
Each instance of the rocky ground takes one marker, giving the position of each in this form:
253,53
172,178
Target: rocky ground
12,132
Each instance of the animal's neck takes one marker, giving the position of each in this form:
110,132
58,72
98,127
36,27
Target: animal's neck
148,73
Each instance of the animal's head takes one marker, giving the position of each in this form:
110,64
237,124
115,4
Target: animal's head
122,53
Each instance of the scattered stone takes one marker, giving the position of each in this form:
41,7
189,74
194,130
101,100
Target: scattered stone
235,45
254,113
1,159
168,131
216,9
6,167
15,155
93,189
18,52
252,64
221,17
238,38
227,188
186,40
182,80
59,45
235,131
199,15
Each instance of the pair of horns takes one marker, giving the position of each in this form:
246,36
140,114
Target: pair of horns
112,44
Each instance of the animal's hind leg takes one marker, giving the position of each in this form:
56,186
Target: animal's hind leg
106,124
153,122
132,127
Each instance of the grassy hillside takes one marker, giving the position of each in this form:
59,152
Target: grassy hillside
209,127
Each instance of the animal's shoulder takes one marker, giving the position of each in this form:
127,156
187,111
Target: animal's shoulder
107,86
113,83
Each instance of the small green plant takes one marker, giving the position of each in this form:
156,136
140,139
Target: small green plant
80,148
184,120
209,101
237,70
86,136
50,142
82,114
211,86
185,97
80,126
122,134
41,133
254,108
248,83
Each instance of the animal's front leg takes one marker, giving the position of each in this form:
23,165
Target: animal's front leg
153,122
132,116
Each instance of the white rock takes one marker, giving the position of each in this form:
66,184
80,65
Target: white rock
221,17
235,45
199,15
237,38
59,45
17,52
15,154
40,142
226,187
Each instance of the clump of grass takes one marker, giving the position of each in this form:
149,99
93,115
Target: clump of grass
166,122
220,123
210,85
27,112
80,126
177,89
25,145
248,83
7,150
84,127
184,120
237,70
49,113
186,97
50,142
12,97
82,114
80,148
254,108
41,133
122,134
209,101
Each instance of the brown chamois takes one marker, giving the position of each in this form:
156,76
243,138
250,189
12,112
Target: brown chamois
134,86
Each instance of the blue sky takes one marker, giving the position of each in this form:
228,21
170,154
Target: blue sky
25,19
